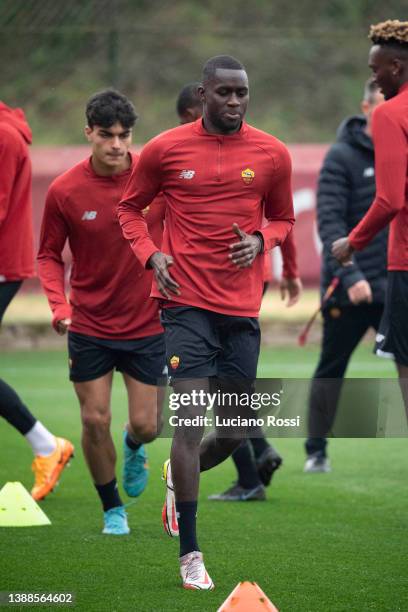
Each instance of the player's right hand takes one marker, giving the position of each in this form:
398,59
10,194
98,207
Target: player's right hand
360,292
160,262
62,326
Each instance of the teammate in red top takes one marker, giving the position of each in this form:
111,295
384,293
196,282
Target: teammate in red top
111,321
219,177
388,61
16,225
16,264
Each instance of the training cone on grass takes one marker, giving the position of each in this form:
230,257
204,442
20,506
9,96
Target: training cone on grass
247,597
18,509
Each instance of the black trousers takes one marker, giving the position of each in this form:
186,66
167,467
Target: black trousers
7,292
343,328
11,406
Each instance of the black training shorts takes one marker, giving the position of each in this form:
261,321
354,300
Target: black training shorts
392,337
143,358
201,343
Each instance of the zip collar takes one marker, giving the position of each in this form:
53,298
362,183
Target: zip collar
199,128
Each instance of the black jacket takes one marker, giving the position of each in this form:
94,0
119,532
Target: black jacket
345,192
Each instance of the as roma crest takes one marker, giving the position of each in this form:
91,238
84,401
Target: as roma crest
248,176
335,313
174,362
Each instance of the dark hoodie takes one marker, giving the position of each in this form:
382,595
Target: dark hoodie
16,231
345,192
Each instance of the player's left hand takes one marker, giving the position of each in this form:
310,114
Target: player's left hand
244,252
63,326
292,288
343,251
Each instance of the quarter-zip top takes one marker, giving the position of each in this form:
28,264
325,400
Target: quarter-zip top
253,174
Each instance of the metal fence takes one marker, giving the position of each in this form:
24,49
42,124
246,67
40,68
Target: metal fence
306,60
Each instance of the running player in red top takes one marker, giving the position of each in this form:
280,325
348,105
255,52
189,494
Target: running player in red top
388,61
16,264
111,321
255,459
219,177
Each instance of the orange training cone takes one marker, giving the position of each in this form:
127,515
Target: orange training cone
247,597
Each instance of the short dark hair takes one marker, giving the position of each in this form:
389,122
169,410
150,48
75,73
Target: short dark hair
223,62
188,98
370,89
108,107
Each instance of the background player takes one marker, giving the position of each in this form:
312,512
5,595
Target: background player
189,105
345,192
219,177
111,322
16,264
388,60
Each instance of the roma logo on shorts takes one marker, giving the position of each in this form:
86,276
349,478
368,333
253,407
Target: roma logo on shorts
145,211
174,362
335,313
248,176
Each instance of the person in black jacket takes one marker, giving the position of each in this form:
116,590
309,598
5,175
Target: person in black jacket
346,190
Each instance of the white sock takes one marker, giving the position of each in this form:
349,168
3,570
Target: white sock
41,440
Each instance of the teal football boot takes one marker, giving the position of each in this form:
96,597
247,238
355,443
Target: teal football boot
135,469
115,521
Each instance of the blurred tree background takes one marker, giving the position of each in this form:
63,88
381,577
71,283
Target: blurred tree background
306,59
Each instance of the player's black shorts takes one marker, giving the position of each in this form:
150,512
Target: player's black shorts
143,358
392,337
201,343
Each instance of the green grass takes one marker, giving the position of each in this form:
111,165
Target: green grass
322,543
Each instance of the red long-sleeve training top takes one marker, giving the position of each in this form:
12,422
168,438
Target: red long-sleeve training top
210,181
289,260
390,136
109,295
289,257
16,224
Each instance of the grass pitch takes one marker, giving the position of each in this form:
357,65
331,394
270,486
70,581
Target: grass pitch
325,542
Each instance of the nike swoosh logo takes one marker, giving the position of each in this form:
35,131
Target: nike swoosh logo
174,524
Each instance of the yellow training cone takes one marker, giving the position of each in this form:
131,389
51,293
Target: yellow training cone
18,509
247,597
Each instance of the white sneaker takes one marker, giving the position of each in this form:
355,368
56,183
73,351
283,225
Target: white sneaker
169,514
315,464
193,572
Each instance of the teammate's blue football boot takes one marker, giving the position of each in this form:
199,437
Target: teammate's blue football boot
135,469
115,521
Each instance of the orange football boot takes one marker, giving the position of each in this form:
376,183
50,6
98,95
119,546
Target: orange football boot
47,470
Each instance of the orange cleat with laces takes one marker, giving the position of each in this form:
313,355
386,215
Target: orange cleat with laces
47,470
